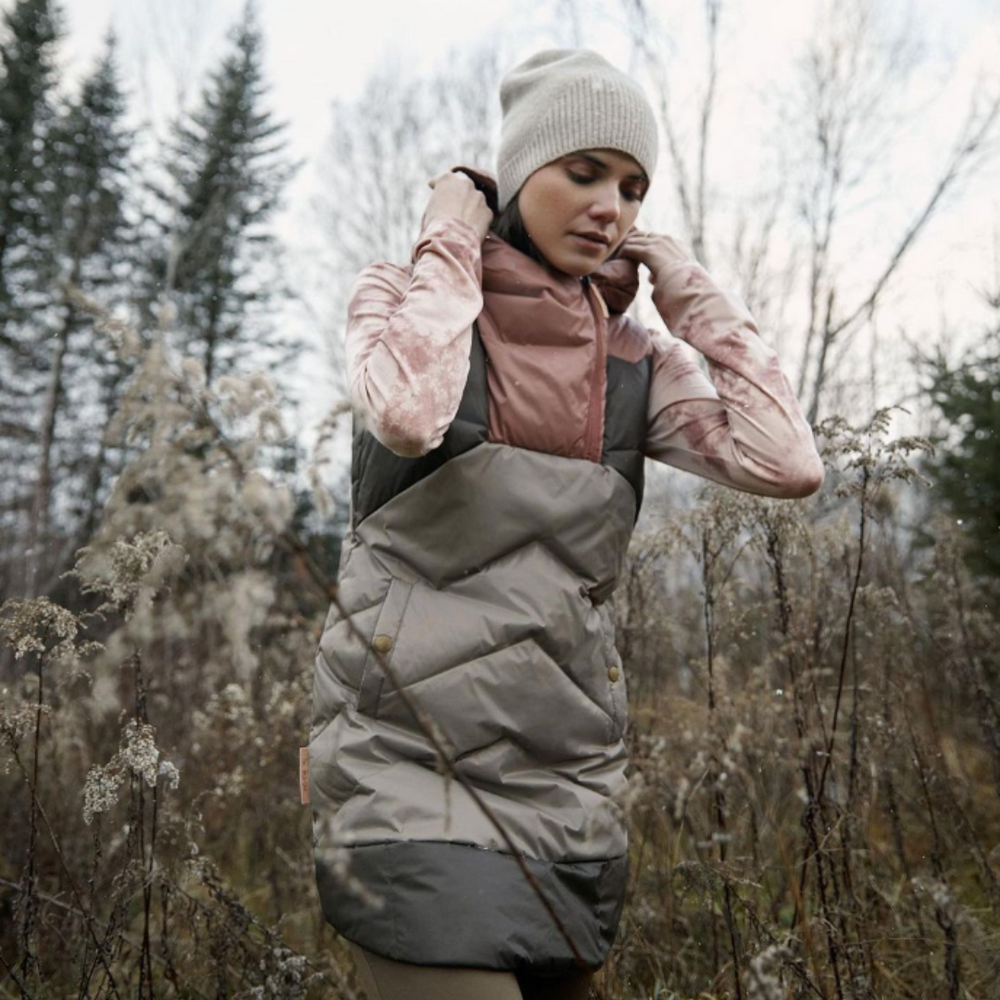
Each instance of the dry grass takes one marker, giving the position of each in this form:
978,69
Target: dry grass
815,797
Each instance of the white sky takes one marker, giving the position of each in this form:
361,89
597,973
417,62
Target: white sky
315,52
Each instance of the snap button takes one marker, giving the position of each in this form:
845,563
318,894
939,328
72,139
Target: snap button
613,672
383,643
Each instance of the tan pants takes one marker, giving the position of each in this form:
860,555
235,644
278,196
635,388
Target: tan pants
386,979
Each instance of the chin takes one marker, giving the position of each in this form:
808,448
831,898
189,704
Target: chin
577,268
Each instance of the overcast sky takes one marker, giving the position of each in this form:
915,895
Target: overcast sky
315,52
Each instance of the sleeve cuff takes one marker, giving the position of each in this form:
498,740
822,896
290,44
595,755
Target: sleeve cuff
445,229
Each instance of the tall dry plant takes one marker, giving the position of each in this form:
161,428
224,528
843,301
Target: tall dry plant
813,790
183,639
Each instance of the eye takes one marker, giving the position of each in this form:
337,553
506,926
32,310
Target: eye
581,179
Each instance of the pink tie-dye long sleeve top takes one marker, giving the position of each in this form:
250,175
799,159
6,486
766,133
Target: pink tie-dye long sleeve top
409,334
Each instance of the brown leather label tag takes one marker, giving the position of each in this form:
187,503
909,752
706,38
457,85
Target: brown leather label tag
304,775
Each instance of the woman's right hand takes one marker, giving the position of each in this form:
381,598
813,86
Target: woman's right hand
455,196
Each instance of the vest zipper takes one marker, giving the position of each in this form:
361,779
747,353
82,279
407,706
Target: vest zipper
593,443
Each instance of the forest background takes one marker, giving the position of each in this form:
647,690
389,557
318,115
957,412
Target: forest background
814,803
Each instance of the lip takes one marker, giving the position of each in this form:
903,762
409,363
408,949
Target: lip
587,241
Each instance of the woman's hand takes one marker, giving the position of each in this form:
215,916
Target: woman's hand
455,196
656,250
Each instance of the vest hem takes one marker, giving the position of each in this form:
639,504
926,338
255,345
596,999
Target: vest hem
458,904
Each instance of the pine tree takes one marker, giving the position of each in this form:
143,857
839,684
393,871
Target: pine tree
214,259
966,469
93,245
29,35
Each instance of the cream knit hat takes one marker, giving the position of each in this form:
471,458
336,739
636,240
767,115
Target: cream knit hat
561,100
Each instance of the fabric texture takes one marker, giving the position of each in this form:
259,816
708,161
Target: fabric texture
485,584
561,100
378,473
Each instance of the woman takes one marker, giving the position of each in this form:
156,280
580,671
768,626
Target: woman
504,406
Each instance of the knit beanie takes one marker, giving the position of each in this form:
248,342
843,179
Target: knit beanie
561,100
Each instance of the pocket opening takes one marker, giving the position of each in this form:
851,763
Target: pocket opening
387,626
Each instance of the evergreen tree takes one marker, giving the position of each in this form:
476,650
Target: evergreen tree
213,258
966,469
29,34
93,248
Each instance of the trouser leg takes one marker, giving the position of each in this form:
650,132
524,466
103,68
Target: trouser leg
386,979
575,987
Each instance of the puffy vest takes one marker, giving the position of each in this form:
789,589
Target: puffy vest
481,570
378,474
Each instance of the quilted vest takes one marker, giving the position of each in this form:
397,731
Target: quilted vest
482,570
378,474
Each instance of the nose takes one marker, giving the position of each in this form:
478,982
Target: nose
607,204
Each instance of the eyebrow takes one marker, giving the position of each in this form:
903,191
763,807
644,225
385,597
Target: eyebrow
603,166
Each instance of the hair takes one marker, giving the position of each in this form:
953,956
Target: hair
509,226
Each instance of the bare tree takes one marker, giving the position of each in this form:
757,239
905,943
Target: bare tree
169,41
649,39
847,105
383,148
854,81
465,105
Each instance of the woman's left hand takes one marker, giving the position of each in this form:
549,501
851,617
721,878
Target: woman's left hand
655,250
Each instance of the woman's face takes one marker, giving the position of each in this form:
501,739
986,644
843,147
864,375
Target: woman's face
596,191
